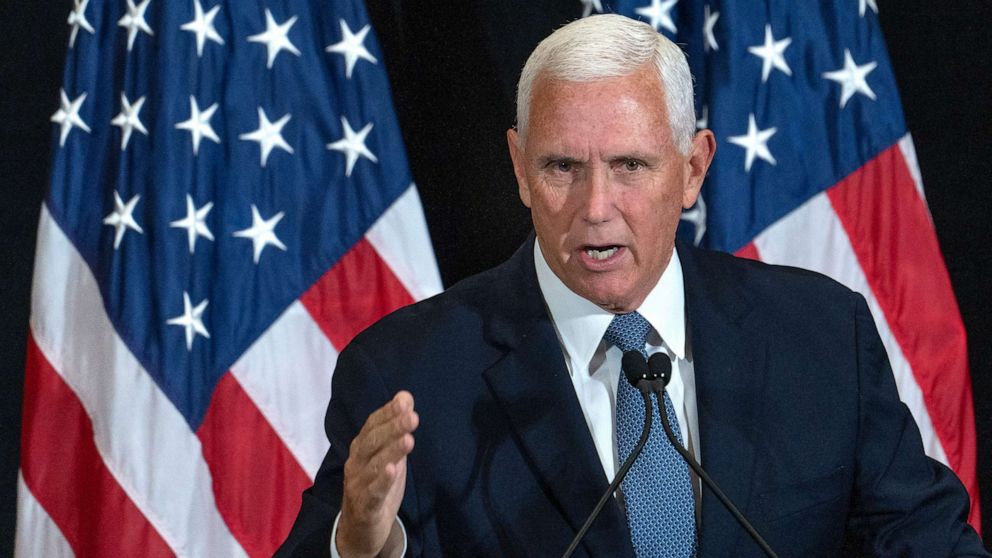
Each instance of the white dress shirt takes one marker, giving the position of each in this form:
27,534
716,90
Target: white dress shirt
594,367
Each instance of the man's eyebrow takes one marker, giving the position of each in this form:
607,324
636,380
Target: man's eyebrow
636,155
544,160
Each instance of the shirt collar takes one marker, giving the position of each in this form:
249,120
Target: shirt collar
581,324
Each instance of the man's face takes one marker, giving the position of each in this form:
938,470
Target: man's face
605,183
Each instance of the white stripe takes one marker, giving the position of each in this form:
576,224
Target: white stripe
143,439
813,237
37,535
287,374
400,237
909,155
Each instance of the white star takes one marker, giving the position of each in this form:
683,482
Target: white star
191,320
203,26
128,119
708,24
351,47
77,19
852,78
659,14
134,20
697,216
198,124
772,54
194,222
268,135
755,141
589,5
68,117
275,37
869,3
353,145
122,218
262,232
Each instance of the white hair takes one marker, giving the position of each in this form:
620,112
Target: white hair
606,46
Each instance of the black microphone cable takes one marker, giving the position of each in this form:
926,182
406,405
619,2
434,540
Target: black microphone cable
661,370
635,369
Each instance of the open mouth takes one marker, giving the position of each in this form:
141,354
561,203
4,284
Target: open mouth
601,252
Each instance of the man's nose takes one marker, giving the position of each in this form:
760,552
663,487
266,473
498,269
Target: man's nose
597,205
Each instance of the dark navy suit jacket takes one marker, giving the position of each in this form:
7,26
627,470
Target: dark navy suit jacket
799,422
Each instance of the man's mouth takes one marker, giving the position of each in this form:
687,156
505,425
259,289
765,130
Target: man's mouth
601,252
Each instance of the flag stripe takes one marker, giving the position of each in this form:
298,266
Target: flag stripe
36,533
401,239
257,481
890,228
63,469
287,375
353,294
136,427
909,155
812,237
749,251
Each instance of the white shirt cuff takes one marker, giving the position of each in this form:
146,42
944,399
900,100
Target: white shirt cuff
395,542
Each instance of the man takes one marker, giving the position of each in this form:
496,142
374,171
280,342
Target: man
780,385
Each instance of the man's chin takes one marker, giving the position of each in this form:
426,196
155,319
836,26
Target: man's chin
617,301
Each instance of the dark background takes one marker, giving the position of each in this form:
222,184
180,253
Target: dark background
453,66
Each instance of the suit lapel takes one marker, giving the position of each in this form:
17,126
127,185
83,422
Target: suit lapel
532,386
727,359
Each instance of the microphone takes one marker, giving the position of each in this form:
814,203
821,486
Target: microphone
661,371
635,369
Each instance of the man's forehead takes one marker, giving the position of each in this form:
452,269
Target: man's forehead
620,92
565,111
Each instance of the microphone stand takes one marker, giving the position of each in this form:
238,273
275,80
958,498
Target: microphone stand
658,387
633,366
627,464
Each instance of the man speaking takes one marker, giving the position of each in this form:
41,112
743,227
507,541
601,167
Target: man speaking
780,386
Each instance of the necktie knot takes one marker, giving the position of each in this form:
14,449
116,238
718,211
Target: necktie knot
628,332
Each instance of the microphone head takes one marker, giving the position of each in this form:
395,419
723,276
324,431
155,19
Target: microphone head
661,367
634,367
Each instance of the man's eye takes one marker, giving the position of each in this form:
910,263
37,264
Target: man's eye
632,165
564,166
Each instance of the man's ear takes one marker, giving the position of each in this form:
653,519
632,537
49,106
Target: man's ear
519,165
703,148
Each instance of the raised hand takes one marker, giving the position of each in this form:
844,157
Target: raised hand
375,477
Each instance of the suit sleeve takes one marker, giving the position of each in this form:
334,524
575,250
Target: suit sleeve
905,504
357,390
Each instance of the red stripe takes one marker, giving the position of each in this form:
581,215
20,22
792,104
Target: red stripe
256,480
65,473
352,295
892,235
750,252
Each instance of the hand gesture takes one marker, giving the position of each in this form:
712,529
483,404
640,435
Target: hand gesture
375,477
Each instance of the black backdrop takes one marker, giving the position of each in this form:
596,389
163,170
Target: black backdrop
453,66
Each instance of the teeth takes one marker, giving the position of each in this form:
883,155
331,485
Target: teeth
601,254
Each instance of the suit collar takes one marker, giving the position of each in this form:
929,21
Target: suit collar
531,384
728,356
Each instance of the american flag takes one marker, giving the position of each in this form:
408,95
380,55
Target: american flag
815,168
230,204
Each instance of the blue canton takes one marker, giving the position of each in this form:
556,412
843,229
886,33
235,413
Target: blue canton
215,158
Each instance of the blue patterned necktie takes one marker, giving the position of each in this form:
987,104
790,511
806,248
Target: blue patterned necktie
657,491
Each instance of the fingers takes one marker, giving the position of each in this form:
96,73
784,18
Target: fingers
400,402
375,470
387,432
